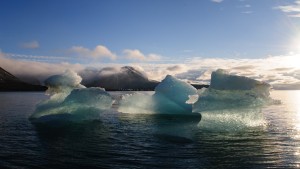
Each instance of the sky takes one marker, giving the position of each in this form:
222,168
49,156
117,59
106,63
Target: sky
185,38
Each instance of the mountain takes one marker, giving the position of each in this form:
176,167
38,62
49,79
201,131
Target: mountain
126,78
9,82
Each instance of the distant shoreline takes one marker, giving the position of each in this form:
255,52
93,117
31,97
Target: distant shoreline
43,88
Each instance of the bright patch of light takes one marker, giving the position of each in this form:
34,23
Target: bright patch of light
292,60
295,106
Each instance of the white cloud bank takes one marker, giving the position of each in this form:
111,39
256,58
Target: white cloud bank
138,55
97,53
283,72
101,51
292,10
217,1
33,71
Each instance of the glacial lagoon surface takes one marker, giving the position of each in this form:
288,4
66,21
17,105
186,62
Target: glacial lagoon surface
133,140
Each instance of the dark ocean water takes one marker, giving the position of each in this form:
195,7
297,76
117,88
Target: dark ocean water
147,141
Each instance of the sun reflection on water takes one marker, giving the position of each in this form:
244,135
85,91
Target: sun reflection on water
287,123
289,110
294,100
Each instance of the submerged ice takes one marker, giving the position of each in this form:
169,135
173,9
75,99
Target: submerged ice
169,98
71,101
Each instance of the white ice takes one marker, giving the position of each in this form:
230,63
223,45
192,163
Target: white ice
70,100
232,102
230,91
169,98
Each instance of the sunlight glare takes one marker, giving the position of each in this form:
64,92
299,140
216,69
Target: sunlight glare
292,60
294,99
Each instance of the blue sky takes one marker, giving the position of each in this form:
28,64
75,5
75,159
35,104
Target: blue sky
170,28
144,32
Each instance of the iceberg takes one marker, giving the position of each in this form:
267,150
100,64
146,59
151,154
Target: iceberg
71,101
63,83
231,91
222,80
137,103
232,101
170,97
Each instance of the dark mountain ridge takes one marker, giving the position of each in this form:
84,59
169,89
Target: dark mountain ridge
9,82
127,78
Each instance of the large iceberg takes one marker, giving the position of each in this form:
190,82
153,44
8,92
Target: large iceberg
71,101
63,83
232,101
170,97
231,91
222,80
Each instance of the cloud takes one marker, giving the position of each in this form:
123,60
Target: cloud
217,1
246,9
282,72
30,45
138,55
284,69
102,52
94,76
287,86
192,76
97,53
35,72
176,68
159,71
37,57
292,10
294,15
244,67
247,12
204,78
276,70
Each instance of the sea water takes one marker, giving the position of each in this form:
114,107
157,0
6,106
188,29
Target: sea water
124,140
